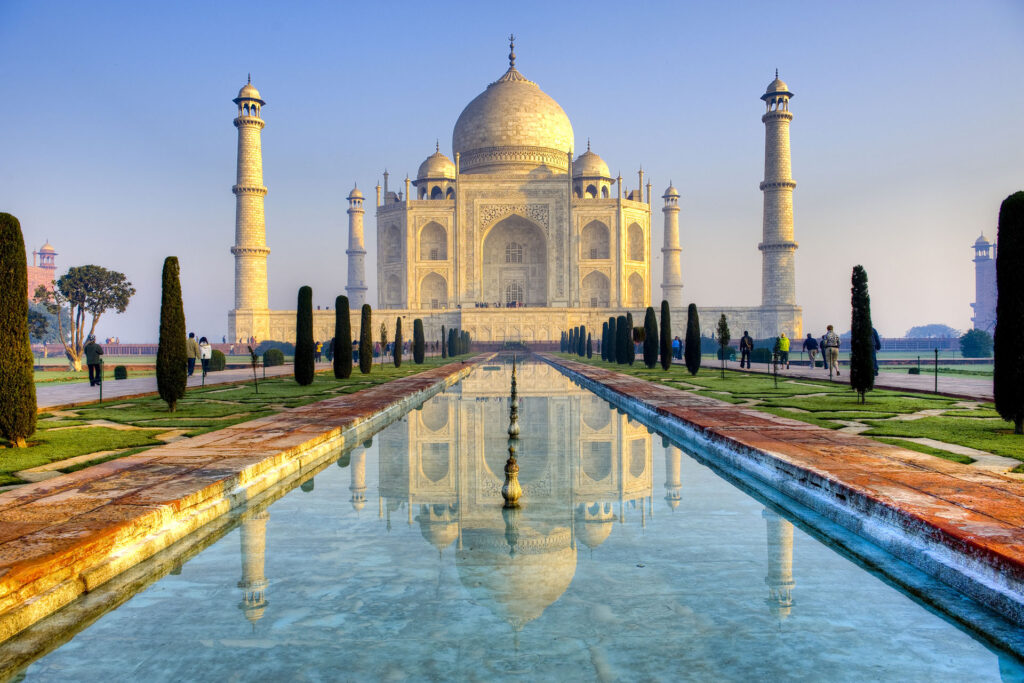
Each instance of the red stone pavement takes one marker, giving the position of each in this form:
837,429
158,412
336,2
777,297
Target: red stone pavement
978,514
64,536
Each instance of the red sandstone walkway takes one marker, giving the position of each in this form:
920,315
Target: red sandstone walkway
973,388
978,514
66,535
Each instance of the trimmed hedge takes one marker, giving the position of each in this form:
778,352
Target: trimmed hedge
120,372
273,357
171,361
217,361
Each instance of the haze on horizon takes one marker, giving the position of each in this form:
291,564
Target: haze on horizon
907,134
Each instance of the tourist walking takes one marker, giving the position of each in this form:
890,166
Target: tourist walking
319,351
205,354
93,351
811,347
784,349
830,347
746,346
191,352
876,346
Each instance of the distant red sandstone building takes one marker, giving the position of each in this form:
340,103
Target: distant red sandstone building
43,269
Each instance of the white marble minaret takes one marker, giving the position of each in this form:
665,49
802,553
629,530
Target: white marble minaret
356,287
778,271
672,278
250,248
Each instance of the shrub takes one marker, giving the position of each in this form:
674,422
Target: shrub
342,339
419,342
761,355
666,336
171,355
272,358
397,355
650,338
581,341
287,348
120,372
17,378
365,339
914,371
976,344
1009,350
217,361
862,341
730,352
691,350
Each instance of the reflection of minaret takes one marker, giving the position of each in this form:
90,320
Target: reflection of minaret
780,564
253,583
673,483
358,486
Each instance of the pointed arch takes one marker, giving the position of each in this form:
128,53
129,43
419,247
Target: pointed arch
595,241
433,242
595,290
635,242
635,291
433,291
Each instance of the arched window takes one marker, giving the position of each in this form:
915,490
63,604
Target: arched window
604,192
594,290
450,194
436,193
514,293
433,242
591,192
434,292
635,240
392,244
595,241
514,253
635,289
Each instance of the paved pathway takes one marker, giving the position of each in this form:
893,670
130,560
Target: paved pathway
50,396
960,387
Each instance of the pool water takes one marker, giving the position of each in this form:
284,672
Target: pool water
629,560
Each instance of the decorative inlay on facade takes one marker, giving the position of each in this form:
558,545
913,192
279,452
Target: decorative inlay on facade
538,213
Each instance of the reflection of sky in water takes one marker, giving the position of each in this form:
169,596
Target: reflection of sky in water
628,560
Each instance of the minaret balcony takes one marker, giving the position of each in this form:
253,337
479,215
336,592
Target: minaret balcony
250,251
249,189
777,246
777,185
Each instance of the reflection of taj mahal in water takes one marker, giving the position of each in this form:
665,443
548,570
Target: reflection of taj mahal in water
584,467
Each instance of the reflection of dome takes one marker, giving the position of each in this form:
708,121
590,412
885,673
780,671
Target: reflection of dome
437,525
512,124
516,587
590,165
436,166
593,523
434,415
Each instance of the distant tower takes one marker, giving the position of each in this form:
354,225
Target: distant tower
358,485
356,287
672,279
43,270
984,285
673,484
253,583
250,248
780,564
778,272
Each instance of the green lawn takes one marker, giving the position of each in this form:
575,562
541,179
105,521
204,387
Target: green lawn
201,410
831,406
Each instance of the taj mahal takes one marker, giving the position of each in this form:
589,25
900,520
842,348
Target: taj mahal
515,220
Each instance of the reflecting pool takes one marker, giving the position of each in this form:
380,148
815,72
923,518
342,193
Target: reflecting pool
629,559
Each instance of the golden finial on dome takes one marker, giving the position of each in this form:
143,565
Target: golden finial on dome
511,51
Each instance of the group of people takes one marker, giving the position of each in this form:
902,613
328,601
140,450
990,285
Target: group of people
828,345
201,351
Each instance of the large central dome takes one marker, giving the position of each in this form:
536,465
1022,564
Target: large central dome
512,126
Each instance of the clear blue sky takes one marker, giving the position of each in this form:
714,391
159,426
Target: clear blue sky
118,145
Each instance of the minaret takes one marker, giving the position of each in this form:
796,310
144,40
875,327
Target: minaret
356,287
780,564
672,278
984,305
778,273
673,484
250,248
253,583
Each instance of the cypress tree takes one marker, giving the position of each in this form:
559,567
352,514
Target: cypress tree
572,340
723,340
630,346
590,347
444,343
862,342
419,341
666,336
365,339
1009,333
342,339
691,350
304,345
452,343
621,341
171,355
398,343
650,338
581,346
17,377
613,340
604,340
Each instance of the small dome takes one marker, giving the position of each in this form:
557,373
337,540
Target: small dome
590,165
249,92
776,87
980,242
435,166
47,249
670,192
355,194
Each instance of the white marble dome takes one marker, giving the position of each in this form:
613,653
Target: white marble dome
590,165
513,125
436,166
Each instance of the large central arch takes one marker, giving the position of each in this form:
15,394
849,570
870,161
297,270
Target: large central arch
514,264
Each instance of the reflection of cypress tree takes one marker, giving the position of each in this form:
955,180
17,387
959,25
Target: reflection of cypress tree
304,368
650,338
171,361
691,352
1009,333
621,341
342,339
419,341
666,336
17,377
613,340
862,342
366,340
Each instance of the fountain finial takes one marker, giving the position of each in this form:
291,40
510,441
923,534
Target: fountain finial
511,491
